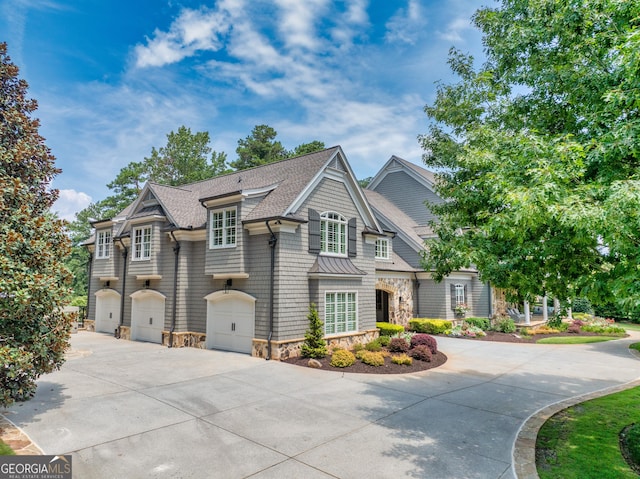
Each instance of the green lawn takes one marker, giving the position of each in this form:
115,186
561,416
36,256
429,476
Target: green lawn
629,326
581,442
635,346
6,450
575,339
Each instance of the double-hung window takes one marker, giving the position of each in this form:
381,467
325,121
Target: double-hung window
333,233
459,295
223,228
103,250
382,248
142,243
340,312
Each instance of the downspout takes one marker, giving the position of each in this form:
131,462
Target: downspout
272,243
125,254
490,300
176,250
90,267
416,283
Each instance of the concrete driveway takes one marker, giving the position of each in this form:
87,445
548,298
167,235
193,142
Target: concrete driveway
137,410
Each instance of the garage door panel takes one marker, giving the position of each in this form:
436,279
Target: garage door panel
230,324
147,318
107,313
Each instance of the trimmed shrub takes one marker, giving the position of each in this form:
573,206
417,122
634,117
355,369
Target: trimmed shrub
505,325
342,359
373,346
555,321
582,316
574,328
402,359
429,326
384,340
388,329
631,440
421,352
603,329
314,344
358,347
360,354
373,358
398,345
581,305
482,323
425,340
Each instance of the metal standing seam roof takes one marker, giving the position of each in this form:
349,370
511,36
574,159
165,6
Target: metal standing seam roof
335,265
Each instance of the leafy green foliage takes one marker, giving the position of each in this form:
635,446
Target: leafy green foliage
505,325
384,340
539,149
33,280
581,305
555,321
342,359
306,148
314,345
259,148
373,345
430,326
482,323
388,329
402,359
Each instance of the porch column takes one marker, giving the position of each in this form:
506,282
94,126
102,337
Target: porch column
556,306
545,313
527,313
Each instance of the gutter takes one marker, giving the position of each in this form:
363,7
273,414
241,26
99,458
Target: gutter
272,243
125,254
176,250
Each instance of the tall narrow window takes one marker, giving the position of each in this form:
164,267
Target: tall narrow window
142,243
459,298
103,249
223,228
382,248
340,313
333,233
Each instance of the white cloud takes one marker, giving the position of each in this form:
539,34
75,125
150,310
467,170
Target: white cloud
69,203
192,31
406,25
298,22
456,30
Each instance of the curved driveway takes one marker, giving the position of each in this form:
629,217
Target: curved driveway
137,410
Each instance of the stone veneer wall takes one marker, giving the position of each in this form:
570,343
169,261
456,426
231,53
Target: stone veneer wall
499,300
281,350
89,325
399,312
186,339
125,332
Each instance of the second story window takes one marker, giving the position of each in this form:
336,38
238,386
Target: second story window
223,228
333,233
382,248
103,250
142,243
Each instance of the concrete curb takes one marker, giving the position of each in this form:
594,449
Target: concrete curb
524,447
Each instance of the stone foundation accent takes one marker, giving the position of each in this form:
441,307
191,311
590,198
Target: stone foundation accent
17,440
499,300
125,333
400,312
89,325
282,350
187,339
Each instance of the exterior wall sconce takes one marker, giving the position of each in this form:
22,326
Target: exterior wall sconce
146,284
227,285
107,284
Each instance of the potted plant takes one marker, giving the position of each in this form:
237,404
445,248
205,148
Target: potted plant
461,309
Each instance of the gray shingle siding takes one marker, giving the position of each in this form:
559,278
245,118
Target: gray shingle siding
409,195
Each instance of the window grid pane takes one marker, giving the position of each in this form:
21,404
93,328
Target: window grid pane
333,233
341,314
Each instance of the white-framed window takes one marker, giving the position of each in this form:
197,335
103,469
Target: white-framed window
340,312
383,250
333,233
223,228
142,243
103,250
459,294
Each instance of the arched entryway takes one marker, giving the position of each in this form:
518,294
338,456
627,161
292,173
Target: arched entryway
230,321
107,311
147,315
382,306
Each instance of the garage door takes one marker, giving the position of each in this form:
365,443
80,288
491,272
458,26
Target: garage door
147,315
107,311
230,321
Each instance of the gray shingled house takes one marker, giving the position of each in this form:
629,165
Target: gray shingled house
234,262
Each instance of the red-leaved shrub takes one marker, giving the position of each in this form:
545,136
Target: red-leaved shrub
421,352
398,345
424,340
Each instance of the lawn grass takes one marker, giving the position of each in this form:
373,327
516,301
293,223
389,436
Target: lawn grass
629,326
635,346
575,339
582,441
6,450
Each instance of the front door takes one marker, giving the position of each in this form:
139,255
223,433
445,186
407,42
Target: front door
382,306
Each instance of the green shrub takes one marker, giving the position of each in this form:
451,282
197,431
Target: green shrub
373,346
581,305
632,442
398,345
373,358
384,340
342,359
79,301
582,316
17,375
429,326
603,329
402,359
358,347
505,325
421,353
482,323
360,353
314,345
555,321
388,329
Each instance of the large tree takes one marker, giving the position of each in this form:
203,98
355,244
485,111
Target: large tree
33,280
539,150
259,148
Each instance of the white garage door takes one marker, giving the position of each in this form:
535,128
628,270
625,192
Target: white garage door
147,315
107,311
230,321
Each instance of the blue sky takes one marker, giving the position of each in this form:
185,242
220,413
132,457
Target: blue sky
112,78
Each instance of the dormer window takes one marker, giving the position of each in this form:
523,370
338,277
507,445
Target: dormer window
333,233
223,228
103,250
142,243
383,248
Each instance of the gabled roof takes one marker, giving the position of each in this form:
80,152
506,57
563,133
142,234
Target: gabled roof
395,163
282,185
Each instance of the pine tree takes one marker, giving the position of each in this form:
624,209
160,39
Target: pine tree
314,344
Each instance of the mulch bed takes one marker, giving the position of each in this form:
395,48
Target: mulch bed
438,359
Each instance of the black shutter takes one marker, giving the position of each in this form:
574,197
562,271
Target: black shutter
314,231
466,301
353,244
453,296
